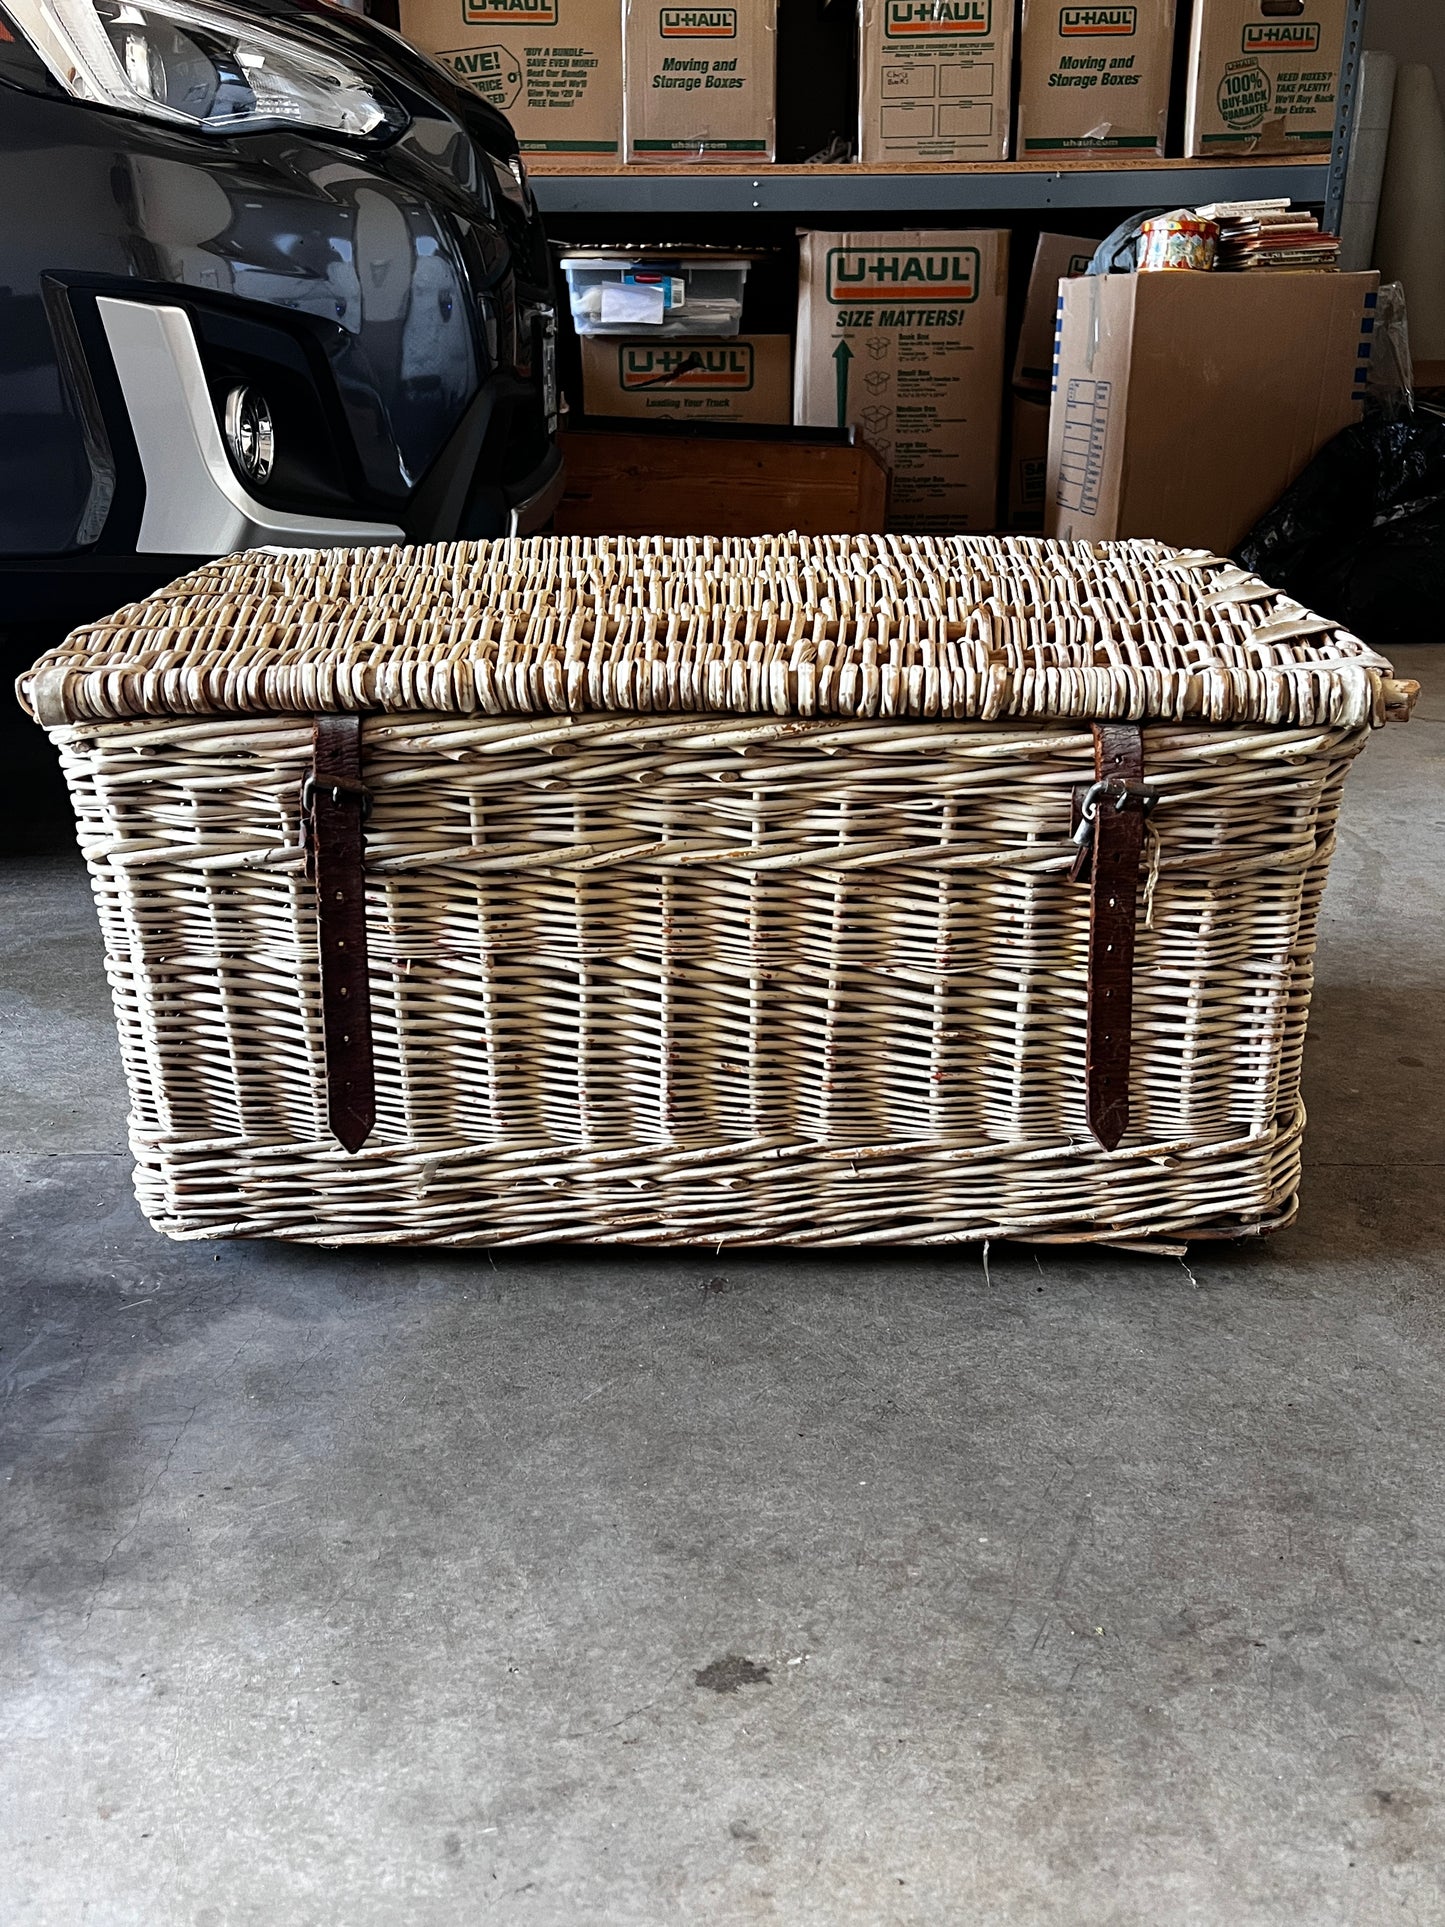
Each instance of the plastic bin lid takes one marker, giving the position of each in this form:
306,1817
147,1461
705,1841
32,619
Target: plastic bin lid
641,258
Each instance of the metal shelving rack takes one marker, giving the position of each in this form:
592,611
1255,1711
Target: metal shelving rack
962,189
1345,114
564,188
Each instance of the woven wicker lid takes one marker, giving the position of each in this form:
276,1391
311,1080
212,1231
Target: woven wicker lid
969,627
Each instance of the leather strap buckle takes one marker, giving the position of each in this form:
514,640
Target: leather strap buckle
1109,817
336,791
334,807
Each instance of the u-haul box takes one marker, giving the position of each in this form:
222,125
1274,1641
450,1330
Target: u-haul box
901,335
742,379
1058,257
1263,76
1028,463
700,81
554,67
935,80
1094,77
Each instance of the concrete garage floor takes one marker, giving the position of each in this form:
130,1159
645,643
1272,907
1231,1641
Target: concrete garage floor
576,1588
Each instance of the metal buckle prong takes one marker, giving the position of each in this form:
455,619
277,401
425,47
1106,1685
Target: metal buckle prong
338,790
1120,794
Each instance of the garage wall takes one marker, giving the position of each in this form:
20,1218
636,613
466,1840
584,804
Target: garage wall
1410,30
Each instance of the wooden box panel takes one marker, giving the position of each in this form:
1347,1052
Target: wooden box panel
640,484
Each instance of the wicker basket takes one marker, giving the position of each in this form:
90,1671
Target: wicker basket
724,892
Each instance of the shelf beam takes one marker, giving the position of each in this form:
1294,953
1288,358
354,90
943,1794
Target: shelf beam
706,189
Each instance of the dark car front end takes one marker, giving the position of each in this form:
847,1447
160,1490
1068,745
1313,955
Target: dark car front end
286,334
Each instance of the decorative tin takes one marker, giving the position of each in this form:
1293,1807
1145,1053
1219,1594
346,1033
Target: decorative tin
1177,240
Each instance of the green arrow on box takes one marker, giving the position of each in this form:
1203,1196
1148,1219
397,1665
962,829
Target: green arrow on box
842,354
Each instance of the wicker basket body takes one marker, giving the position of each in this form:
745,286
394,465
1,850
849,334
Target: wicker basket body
689,971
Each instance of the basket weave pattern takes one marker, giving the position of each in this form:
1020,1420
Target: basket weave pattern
717,891
749,982
993,628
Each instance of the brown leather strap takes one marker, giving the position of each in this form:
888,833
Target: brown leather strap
1117,846
334,805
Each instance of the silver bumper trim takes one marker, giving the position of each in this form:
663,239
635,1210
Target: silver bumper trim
195,503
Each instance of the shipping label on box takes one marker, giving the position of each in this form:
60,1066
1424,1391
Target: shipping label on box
1263,78
743,379
1094,77
553,67
901,335
935,80
1186,404
1058,257
700,82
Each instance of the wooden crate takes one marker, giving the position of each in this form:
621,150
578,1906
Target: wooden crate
678,484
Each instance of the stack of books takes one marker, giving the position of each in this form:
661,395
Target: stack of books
1271,234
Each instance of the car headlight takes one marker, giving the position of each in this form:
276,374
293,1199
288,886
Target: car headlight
511,179
201,64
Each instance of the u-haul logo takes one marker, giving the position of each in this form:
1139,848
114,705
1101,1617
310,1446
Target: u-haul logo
510,13
939,19
724,370
858,274
1081,22
698,23
1282,37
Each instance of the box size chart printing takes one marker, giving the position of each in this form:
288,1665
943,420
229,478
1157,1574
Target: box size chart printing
935,79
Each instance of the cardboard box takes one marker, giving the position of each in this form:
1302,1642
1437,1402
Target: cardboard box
700,82
1186,404
1094,77
1058,257
901,334
1263,80
935,80
1028,464
744,379
553,67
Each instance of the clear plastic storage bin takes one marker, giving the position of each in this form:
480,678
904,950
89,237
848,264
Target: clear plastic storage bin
622,294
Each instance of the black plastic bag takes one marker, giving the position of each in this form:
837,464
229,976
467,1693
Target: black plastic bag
1360,537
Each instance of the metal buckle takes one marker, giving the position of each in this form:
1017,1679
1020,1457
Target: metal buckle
308,807
1120,794
338,790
